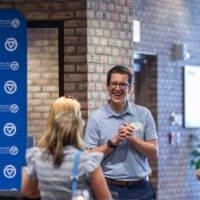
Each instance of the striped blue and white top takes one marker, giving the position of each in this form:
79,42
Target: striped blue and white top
55,183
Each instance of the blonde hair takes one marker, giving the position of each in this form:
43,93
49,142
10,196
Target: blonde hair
64,127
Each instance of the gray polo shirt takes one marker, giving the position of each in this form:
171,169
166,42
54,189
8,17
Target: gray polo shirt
125,162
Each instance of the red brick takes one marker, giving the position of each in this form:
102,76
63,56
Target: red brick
75,40
75,5
56,6
81,14
75,59
74,23
75,77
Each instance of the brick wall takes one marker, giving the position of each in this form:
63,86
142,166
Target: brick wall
97,35
162,24
75,51
43,85
109,43
73,13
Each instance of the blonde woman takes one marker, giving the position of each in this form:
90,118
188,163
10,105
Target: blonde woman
49,166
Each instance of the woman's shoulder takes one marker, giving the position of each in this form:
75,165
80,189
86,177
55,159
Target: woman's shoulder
34,150
91,160
96,156
33,153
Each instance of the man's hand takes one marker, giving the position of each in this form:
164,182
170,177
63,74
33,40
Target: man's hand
127,131
116,139
124,132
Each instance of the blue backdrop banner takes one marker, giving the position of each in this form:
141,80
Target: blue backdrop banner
13,97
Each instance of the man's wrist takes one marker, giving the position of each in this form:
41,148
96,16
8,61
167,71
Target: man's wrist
110,144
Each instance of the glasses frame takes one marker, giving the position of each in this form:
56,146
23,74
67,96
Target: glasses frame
120,85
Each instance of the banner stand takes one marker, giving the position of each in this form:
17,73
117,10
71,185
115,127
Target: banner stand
13,98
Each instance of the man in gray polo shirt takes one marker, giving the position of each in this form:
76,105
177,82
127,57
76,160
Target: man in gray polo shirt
126,134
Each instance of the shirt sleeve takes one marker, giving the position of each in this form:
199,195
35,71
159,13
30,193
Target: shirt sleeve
91,137
30,162
150,127
93,161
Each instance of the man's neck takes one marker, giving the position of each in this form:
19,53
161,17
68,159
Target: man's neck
118,108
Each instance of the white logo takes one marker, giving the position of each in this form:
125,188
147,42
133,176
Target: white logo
11,44
15,23
14,65
137,126
13,150
9,129
14,189
14,108
9,171
10,87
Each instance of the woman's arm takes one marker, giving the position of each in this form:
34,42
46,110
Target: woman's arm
29,187
99,185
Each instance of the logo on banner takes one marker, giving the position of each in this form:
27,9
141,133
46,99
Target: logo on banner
13,83
13,150
14,65
14,189
9,129
3,65
9,171
11,44
14,108
9,108
4,108
15,23
10,87
5,22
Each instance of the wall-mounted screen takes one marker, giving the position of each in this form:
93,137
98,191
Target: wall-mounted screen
192,96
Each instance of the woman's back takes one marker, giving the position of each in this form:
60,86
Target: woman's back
55,183
48,175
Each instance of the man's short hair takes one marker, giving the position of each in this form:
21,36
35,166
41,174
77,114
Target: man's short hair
119,69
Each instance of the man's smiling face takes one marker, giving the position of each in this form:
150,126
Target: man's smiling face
118,89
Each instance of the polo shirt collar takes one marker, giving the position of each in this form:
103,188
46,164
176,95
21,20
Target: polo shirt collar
130,110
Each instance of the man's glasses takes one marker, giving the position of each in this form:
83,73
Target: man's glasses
121,85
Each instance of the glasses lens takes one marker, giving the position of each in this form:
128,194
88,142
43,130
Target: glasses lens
121,85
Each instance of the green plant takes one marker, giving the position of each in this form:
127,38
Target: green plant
195,161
